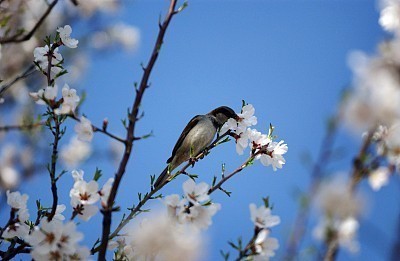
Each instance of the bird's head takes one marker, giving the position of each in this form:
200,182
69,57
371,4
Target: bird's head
222,114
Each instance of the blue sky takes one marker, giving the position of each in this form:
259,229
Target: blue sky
287,58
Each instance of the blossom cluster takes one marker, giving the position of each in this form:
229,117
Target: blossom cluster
261,145
84,195
374,103
50,240
263,220
340,208
18,204
195,207
158,238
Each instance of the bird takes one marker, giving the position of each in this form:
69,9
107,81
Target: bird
195,137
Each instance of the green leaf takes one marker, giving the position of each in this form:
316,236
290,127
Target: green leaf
4,21
97,174
225,256
266,202
182,7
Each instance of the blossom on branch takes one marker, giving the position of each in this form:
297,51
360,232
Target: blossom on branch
75,152
65,35
70,101
41,55
196,193
265,246
195,208
105,191
160,238
83,196
84,129
54,240
17,201
45,95
262,217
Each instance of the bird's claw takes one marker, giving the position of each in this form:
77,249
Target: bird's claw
192,161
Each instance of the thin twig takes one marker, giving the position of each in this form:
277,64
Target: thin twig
57,136
17,38
303,215
102,130
31,69
10,221
130,137
356,176
22,127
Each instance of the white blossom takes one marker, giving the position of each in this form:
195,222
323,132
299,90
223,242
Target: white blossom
47,94
23,214
265,246
9,177
84,193
18,229
379,178
70,101
196,193
334,199
160,238
247,117
17,201
200,217
274,156
85,212
174,204
390,16
128,36
60,209
81,254
262,217
77,175
105,191
84,129
41,56
54,239
344,229
375,99
75,152
65,35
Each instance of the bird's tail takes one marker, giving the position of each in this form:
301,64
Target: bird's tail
162,178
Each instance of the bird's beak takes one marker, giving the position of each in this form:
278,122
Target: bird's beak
237,118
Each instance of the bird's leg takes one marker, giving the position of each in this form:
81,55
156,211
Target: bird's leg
192,161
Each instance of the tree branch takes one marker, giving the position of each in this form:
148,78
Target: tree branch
102,130
302,218
31,69
22,127
107,211
17,38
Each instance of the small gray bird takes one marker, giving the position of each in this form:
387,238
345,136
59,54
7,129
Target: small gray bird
197,135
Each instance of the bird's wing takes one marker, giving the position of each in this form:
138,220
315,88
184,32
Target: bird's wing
184,133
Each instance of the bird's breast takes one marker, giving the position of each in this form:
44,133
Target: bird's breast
201,135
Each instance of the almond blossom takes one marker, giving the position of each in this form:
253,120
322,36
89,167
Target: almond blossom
17,201
265,246
379,178
262,216
54,240
196,193
44,95
41,56
84,129
70,101
105,191
65,35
